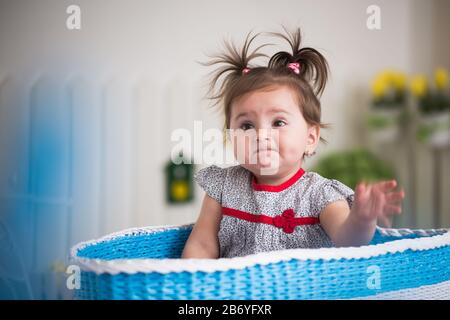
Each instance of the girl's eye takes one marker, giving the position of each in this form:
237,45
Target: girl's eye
279,123
246,126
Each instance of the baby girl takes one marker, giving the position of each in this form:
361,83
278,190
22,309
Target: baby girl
269,202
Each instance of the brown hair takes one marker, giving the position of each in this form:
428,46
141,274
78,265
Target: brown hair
308,85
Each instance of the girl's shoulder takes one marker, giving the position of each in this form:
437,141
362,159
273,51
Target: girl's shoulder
324,191
216,172
213,178
315,180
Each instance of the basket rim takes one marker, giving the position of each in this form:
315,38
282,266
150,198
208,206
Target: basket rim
436,238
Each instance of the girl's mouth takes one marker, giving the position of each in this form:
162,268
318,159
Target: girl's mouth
264,150
265,156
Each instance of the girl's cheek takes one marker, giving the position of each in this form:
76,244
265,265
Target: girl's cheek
291,142
241,153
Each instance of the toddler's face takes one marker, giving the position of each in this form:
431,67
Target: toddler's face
268,131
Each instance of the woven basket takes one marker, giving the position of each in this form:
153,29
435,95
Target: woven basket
144,264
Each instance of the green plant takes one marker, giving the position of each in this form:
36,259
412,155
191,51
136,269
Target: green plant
354,166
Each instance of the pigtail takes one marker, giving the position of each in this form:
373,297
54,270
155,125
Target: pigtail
235,65
313,65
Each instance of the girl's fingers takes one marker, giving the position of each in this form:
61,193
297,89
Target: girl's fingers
378,200
395,196
360,188
395,203
393,209
361,192
386,186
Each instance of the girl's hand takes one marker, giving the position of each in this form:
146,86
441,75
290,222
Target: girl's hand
377,202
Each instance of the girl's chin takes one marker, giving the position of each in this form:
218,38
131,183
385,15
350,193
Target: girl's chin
265,165
261,169
267,159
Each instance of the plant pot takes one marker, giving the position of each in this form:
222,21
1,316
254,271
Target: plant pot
384,124
434,129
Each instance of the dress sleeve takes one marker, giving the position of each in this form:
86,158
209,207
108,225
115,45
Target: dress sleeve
331,191
212,179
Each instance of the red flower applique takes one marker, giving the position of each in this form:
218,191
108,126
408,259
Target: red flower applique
286,221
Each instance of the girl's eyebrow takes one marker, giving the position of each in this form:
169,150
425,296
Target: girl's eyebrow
279,111
242,114
275,110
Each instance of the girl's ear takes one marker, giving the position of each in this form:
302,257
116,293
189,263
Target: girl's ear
313,138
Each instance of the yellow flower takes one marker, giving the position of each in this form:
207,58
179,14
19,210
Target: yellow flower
399,80
441,78
180,190
379,87
387,81
387,77
419,85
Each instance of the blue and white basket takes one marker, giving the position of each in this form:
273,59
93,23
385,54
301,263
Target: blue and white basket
144,263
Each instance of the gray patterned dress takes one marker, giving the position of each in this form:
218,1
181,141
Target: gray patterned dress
259,218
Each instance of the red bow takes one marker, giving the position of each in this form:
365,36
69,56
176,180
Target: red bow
286,221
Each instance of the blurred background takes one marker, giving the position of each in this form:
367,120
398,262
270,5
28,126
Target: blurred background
86,114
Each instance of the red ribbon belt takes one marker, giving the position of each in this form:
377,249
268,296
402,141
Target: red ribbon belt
286,221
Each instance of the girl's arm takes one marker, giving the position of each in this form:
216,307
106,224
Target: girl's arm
356,226
203,241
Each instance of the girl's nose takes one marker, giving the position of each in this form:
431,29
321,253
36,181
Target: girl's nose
263,134
262,138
